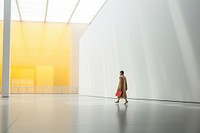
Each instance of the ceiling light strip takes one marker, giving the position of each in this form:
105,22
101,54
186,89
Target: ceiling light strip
20,16
73,11
98,11
47,5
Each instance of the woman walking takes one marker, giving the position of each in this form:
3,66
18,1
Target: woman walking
122,87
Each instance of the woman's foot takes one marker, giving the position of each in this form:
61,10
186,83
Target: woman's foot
126,102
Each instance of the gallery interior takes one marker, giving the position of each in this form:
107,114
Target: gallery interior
60,63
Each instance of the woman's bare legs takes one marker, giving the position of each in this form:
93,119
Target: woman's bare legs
126,101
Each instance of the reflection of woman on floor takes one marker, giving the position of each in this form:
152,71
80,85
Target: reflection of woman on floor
122,87
121,112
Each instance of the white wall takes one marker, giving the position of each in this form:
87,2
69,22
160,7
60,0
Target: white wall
77,31
156,43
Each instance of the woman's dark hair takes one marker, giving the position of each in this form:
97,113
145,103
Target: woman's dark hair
122,72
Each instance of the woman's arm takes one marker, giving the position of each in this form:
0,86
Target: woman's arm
120,84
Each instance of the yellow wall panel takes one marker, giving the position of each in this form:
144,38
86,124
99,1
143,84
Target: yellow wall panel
45,76
1,47
40,56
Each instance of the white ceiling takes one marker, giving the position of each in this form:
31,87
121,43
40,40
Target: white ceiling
65,11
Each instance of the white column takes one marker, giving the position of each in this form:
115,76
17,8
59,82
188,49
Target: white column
6,49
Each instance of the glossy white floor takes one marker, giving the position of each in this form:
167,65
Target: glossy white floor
81,114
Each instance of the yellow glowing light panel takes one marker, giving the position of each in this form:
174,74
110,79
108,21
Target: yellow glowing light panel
40,57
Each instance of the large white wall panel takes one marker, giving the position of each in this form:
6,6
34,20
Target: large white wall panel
156,43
